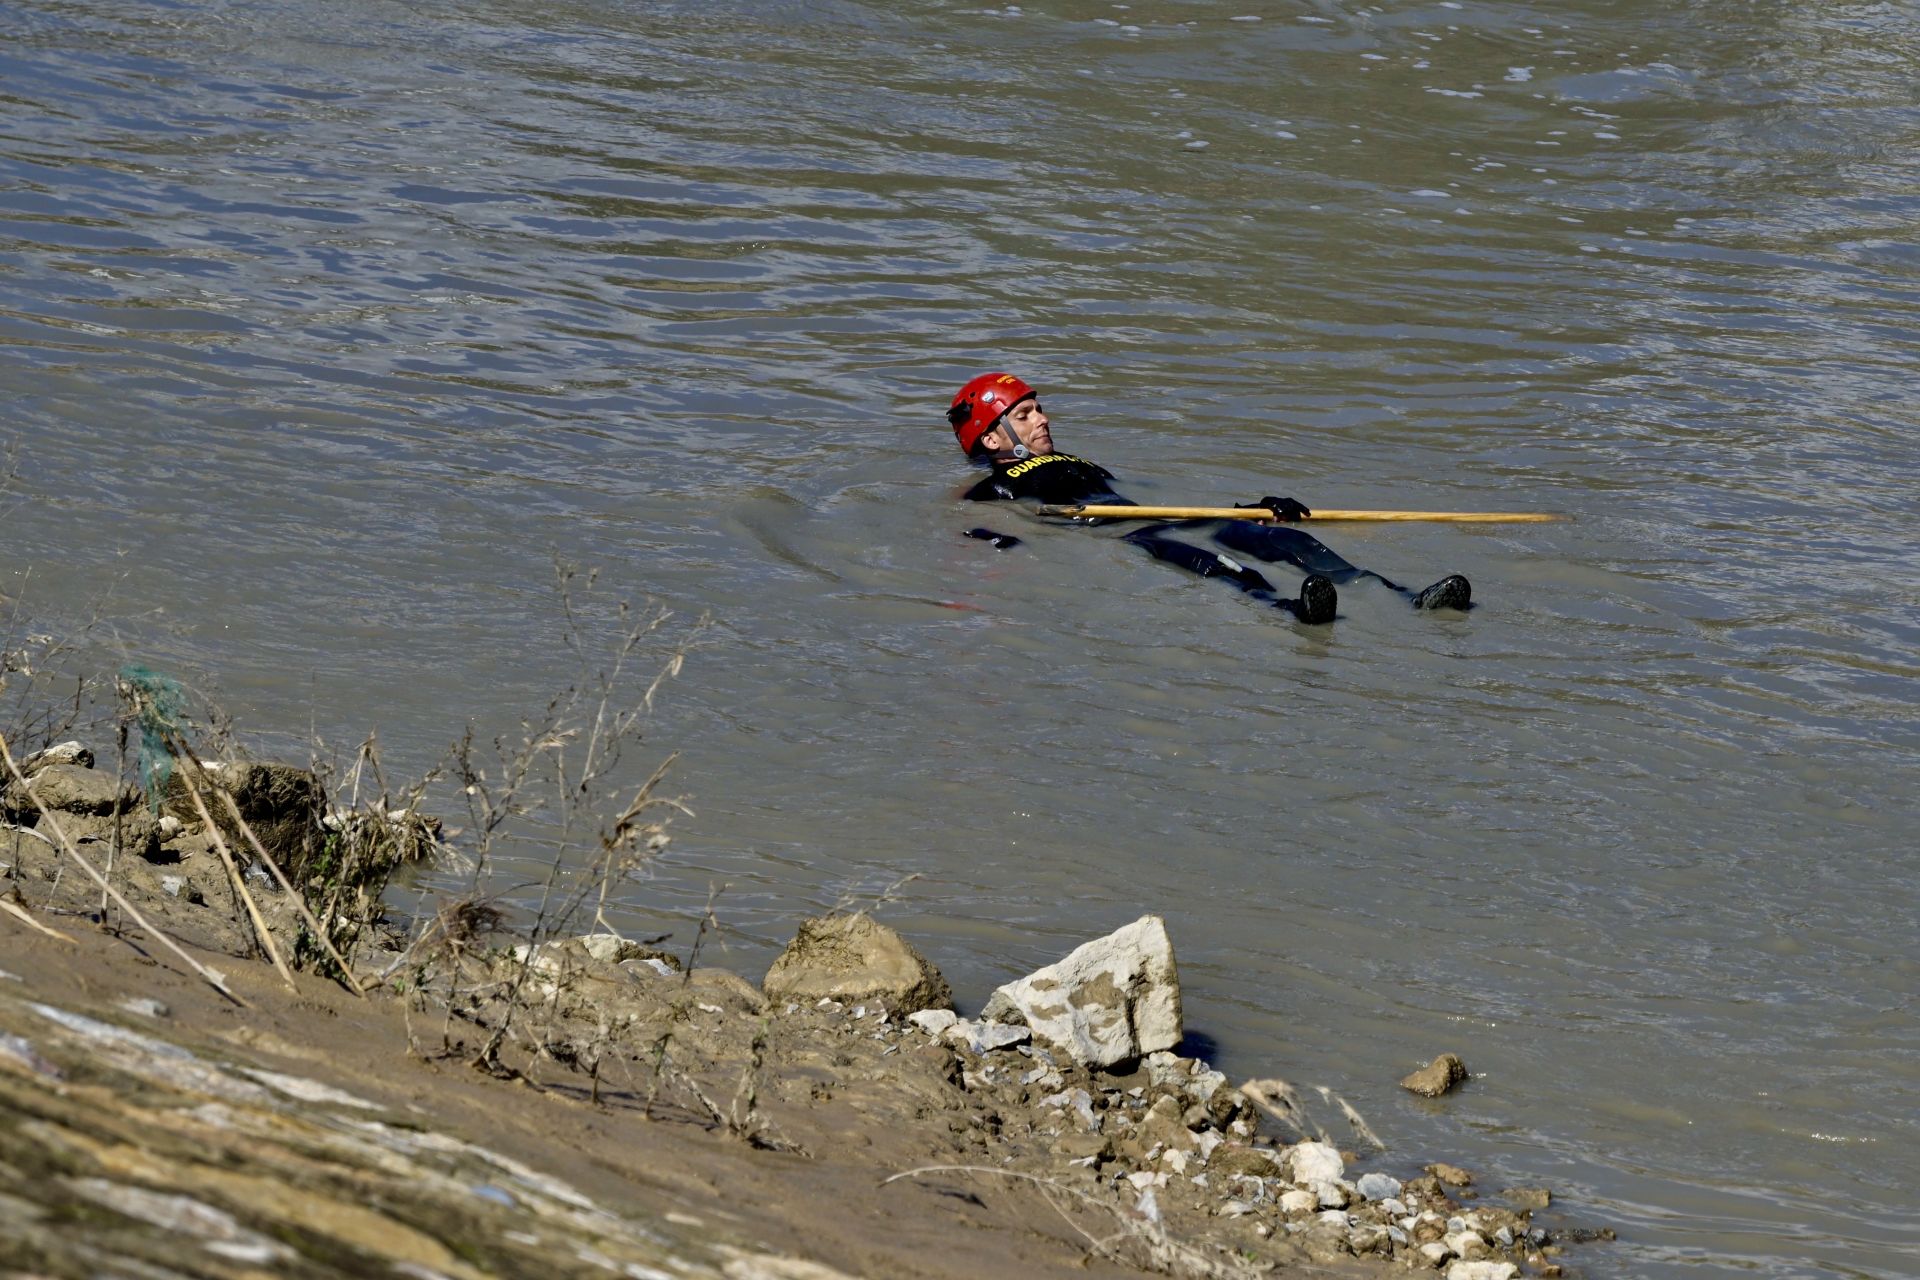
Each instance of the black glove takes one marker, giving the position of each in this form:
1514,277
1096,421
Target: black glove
1000,541
1282,508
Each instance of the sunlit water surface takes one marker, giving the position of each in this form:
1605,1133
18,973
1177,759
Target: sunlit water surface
326,329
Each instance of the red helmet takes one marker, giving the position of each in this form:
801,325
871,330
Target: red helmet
980,403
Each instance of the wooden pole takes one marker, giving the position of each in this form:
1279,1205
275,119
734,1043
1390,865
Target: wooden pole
1087,511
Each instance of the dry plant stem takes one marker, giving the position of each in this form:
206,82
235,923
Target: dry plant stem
119,781
295,896
133,913
12,908
233,869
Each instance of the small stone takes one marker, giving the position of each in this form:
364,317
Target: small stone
1434,1253
1437,1077
933,1021
1234,1209
1451,1175
1378,1186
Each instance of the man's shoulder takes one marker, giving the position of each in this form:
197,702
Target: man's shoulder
1050,477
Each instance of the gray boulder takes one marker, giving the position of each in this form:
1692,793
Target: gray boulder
856,958
1108,1002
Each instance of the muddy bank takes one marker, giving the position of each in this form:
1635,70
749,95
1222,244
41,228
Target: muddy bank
592,1106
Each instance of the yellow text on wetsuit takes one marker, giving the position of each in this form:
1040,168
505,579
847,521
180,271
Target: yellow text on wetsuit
1021,468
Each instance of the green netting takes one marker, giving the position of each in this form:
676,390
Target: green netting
159,709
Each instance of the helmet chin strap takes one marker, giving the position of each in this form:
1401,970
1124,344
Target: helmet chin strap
1020,450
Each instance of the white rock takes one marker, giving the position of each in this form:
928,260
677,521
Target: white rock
1468,1244
1234,1209
1292,1202
1330,1195
1204,1143
1109,1001
1482,1271
1316,1162
1334,1218
933,1021
984,1037
1435,1252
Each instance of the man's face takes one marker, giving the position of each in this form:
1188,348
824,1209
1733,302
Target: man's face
1029,422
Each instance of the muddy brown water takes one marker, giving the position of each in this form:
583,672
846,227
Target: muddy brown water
325,329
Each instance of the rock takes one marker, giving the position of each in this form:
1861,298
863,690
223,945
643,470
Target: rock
1165,1125
1252,1162
984,1037
1370,1239
1529,1197
1082,1146
71,788
1108,1002
723,985
58,753
1331,1195
1296,1203
1316,1162
933,1021
1468,1244
1326,1243
1433,1253
1482,1271
1437,1077
1451,1175
1378,1186
856,958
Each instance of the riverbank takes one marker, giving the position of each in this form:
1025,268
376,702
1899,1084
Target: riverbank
591,1106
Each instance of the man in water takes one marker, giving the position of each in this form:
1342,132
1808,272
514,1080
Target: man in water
998,420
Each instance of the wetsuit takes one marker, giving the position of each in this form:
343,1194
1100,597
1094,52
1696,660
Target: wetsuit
1062,478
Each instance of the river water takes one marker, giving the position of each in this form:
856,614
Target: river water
326,329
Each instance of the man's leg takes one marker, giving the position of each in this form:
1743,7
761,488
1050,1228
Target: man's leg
1283,544
1317,600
